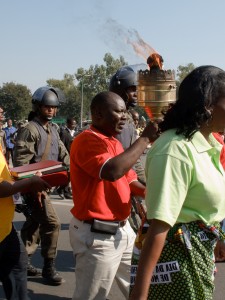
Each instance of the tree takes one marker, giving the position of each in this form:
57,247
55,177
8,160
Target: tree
70,107
65,84
84,85
15,99
183,71
96,79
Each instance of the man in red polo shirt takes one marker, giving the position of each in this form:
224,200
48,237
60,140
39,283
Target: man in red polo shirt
102,180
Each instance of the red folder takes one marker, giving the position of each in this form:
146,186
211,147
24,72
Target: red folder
53,179
52,172
31,169
56,179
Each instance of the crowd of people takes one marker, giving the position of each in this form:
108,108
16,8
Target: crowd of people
180,191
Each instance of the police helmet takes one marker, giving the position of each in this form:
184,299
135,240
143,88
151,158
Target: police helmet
125,77
122,80
47,95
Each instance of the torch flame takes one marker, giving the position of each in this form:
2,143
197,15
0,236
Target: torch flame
155,61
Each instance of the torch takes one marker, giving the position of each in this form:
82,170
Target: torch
156,88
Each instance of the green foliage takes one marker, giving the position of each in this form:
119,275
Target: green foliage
96,79
71,106
84,84
65,84
183,71
88,82
15,99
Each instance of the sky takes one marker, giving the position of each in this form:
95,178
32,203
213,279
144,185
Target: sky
49,38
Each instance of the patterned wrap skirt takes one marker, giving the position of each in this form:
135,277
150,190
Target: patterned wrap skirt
186,266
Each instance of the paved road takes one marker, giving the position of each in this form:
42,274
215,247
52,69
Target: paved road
65,264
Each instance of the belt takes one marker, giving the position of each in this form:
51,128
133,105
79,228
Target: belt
120,223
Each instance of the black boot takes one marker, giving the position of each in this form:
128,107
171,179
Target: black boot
31,270
50,274
68,195
59,191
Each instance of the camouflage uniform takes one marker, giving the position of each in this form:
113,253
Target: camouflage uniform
41,224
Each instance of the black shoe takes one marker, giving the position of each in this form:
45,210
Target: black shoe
60,193
68,195
32,271
50,274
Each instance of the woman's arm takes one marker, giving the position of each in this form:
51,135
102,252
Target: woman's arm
220,251
150,254
33,184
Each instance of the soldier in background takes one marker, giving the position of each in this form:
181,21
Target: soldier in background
38,141
124,84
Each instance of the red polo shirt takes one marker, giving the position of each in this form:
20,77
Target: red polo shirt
222,154
94,197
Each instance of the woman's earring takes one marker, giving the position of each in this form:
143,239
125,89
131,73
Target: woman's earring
209,117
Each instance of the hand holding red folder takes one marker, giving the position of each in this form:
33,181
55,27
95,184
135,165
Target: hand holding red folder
34,184
51,171
45,166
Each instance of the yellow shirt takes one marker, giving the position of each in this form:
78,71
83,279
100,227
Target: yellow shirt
7,206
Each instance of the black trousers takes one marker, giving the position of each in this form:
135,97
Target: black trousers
13,267
8,154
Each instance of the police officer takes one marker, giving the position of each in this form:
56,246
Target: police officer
124,83
39,140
